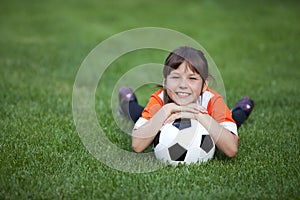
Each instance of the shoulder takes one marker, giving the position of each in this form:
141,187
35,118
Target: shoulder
208,97
215,99
213,92
158,93
158,96
154,104
218,109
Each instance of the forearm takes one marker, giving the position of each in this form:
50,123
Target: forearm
144,135
223,138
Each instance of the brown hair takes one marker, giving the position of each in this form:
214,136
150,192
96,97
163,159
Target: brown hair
195,61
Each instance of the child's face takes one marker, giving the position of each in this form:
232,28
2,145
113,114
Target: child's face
184,86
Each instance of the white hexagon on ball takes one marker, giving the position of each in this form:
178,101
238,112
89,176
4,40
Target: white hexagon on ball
183,141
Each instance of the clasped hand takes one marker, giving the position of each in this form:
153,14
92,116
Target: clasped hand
191,111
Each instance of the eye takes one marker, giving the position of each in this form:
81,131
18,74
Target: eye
193,78
174,77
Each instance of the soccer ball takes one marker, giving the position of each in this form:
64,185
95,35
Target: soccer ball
183,141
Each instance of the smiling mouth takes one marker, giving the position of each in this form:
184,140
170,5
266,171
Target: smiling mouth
183,94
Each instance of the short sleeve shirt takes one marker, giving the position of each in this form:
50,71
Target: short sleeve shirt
210,99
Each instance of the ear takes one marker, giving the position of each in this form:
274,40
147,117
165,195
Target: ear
205,85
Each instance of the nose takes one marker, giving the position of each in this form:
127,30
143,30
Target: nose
183,83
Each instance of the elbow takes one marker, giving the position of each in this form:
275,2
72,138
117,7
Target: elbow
232,153
136,147
232,148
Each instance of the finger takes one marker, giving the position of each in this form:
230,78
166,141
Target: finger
193,108
173,117
203,110
189,108
168,120
199,108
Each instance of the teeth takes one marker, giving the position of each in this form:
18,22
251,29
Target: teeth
182,94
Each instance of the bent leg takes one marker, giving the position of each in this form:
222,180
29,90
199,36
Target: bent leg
135,110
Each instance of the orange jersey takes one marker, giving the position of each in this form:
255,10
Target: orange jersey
211,100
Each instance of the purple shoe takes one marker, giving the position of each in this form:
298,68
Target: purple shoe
125,96
241,111
246,104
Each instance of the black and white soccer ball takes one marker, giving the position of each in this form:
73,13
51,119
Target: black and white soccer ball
183,141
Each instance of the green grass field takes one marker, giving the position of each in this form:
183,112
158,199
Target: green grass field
42,45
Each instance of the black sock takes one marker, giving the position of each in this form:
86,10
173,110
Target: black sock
135,110
239,116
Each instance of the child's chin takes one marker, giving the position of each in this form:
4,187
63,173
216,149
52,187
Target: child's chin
183,103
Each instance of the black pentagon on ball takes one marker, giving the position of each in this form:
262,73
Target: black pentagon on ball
206,143
156,139
177,152
182,123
